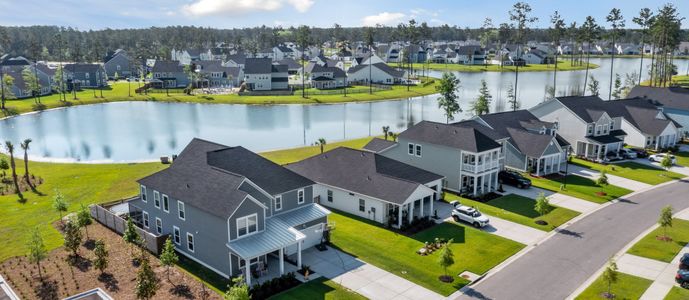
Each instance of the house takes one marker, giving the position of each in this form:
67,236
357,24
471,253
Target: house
379,73
260,74
371,186
537,57
468,159
645,124
282,52
169,74
415,53
366,59
236,60
117,64
530,145
293,67
471,55
630,49
22,89
230,209
82,75
439,55
324,77
185,57
673,101
214,74
265,53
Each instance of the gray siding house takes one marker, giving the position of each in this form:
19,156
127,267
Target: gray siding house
260,74
117,63
169,74
85,76
20,88
467,158
673,101
228,208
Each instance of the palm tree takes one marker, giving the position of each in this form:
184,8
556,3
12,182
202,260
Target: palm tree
616,21
25,147
386,131
321,142
644,20
557,31
10,149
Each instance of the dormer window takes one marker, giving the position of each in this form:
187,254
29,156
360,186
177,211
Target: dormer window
247,225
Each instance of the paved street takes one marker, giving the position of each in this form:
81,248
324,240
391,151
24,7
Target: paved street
562,263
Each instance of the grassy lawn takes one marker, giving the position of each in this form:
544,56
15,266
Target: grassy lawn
561,66
682,158
652,248
580,187
677,293
120,92
320,288
287,156
627,287
474,250
631,170
518,209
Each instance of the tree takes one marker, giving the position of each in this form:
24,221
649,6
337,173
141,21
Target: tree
449,84
73,237
386,130
146,280
101,261
446,257
130,236
303,40
557,31
7,83
519,15
594,86
610,275
616,21
4,47
321,142
59,74
482,104
617,91
667,34
4,166
665,220
602,178
59,80
84,220
25,147
10,149
168,257
644,20
35,52
542,205
31,82
369,33
589,32
512,98
666,162
59,203
37,251
238,290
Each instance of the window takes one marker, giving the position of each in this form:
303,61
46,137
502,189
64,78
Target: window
330,196
159,226
590,129
180,210
247,225
176,235
300,196
411,149
598,128
418,150
145,217
190,242
166,203
156,199
612,124
278,203
143,193
362,205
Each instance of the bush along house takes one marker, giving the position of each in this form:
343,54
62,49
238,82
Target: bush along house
231,210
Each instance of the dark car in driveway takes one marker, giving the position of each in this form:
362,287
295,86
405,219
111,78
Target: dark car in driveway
514,179
682,278
640,153
684,262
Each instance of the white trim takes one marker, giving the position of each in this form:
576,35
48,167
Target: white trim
374,198
159,229
246,218
156,199
183,210
413,148
276,203
256,186
252,199
146,222
143,195
193,242
418,149
166,203
176,229
303,196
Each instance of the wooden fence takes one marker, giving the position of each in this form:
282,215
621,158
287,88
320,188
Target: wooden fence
104,216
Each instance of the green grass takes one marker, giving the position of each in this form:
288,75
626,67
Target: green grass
682,158
581,187
120,92
632,170
518,209
320,288
561,66
287,156
627,287
650,247
677,293
474,250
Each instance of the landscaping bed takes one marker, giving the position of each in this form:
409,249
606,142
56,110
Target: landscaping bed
651,247
320,288
475,250
627,287
580,187
119,279
631,170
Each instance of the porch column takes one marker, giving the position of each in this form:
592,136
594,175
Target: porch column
586,150
247,271
538,166
421,209
475,185
410,210
430,212
282,261
299,254
399,216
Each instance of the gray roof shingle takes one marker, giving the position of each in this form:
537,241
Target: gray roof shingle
459,136
258,66
377,145
670,97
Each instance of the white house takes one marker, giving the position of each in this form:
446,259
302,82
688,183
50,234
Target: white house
379,73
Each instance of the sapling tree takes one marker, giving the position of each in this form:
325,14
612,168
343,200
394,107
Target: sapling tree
130,236
666,162
72,238
238,290
542,205
37,251
602,178
101,261
84,220
446,259
610,275
665,220
146,280
60,204
168,257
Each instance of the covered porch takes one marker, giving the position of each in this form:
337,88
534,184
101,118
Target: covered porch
661,142
400,214
545,165
479,184
599,148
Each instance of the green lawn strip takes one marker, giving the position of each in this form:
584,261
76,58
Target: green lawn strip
682,158
581,187
518,209
287,156
677,293
561,66
632,170
475,250
120,91
650,247
320,288
627,287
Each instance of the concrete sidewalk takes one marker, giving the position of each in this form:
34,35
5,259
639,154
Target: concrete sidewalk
556,199
511,230
629,184
676,168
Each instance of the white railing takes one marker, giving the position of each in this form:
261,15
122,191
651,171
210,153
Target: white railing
480,168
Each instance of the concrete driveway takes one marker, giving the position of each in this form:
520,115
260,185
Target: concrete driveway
676,168
513,231
629,184
557,199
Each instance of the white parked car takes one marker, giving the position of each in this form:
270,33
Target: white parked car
660,156
628,153
468,214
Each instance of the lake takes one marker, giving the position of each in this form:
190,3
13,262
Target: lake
144,131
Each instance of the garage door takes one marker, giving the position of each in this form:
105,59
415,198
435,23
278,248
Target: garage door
313,237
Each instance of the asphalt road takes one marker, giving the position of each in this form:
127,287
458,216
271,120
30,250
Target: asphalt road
558,266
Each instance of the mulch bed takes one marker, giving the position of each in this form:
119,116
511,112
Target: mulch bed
62,280
7,185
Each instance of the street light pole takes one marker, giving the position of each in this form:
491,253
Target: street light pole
564,179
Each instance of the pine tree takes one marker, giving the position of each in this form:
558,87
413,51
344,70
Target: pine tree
594,86
146,281
73,237
101,261
482,104
512,98
447,101
617,91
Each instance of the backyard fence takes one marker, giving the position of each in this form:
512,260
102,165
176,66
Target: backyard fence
116,223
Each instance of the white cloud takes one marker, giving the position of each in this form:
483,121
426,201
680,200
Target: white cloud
384,18
239,7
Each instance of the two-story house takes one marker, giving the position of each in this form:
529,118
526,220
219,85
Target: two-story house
646,125
82,75
168,74
260,74
467,158
673,101
117,63
471,55
230,209
281,52
22,89
325,77
213,74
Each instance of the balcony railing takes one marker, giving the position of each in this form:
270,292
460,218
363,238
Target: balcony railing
480,168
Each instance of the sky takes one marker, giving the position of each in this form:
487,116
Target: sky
100,14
